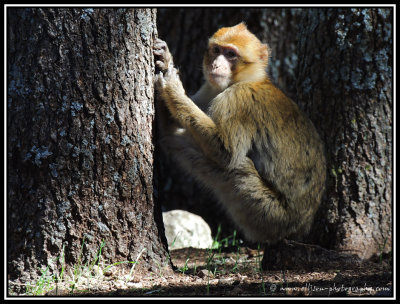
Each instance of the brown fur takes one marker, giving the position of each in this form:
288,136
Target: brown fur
253,146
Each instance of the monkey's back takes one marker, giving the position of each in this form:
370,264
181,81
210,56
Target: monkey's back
286,151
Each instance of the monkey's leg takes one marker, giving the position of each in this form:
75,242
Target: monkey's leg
274,256
263,212
188,155
253,207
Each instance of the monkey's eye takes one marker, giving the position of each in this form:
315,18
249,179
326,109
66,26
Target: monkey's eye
230,54
215,50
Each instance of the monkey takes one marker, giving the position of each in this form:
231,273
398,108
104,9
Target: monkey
243,138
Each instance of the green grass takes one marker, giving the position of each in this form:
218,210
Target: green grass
46,281
86,277
80,274
185,267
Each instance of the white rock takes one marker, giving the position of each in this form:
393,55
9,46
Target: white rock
184,229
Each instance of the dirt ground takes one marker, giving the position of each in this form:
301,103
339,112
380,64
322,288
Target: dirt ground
235,272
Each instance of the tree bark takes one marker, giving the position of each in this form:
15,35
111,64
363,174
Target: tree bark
345,85
80,118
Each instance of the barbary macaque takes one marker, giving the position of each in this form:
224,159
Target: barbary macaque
244,139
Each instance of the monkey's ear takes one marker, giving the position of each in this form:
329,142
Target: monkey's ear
241,26
264,53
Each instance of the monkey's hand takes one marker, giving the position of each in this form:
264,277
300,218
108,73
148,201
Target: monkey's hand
170,87
163,55
167,79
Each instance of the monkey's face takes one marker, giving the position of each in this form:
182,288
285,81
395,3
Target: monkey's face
234,55
219,64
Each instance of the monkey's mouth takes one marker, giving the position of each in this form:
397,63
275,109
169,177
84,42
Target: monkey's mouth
217,75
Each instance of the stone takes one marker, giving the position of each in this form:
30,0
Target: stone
204,273
184,229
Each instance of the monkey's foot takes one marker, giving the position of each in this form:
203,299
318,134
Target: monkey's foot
274,256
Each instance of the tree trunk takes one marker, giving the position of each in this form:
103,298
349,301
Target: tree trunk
79,144
336,64
345,85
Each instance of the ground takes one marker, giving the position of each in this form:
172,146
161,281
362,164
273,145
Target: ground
236,272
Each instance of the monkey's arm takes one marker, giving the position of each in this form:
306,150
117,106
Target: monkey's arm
182,108
187,113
